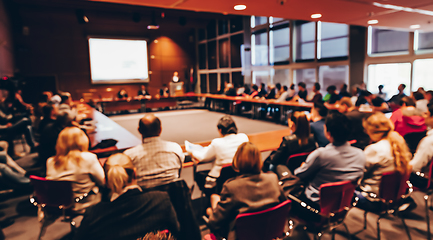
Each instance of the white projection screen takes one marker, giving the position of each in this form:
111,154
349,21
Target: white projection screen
118,60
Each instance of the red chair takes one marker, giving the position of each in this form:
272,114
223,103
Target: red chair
335,202
295,160
393,187
263,225
51,196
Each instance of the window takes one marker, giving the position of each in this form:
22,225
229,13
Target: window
236,24
237,79
225,77
390,75
236,43
279,38
201,34
213,83
260,77
224,51
259,48
333,75
423,41
274,20
305,35
202,56
211,55
332,40
203,83
280,76
256,21
387,41
308,76
422,74
223,27
211,29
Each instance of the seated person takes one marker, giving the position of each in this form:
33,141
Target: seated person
122,94
220,151
395,99
49,114
421,102
272,91
129,213
66,103
302,93
229,90
74,163
424,152
158,162
251,191
331,97
387,153
262,90
12,174
253,93
407,119
338,161
318,115
143,92
283,94
300,141
343,91
317,97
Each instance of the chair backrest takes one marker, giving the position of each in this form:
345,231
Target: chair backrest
263,225
412,139
336,197
430,175
295,160
392,186
52,193
227,172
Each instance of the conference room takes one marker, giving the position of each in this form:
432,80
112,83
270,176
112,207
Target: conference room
119,61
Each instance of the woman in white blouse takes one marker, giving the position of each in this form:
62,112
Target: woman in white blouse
221,151
74,163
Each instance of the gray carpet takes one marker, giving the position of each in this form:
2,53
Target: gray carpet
194,125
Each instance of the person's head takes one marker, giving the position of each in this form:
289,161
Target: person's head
292,86
345,104
343,87
262,86
143,87
298,123
247,159
430,109
65,118
278,86
331,89
316,87
407,102
49,111
159,235
66,98
418,96
428,95
401,88
380,88
285,88
301,86
337,128
70,143
255,88
226,125
120,172
149,126
320,109
379,127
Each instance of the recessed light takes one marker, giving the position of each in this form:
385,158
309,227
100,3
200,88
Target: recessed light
316,15
373,21
240,7
155,41
416,26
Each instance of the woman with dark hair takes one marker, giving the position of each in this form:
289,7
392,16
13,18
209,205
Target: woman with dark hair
251,191
300,141
221,151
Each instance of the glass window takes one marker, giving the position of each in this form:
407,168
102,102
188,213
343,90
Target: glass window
237,79
305,40
279,38
202,56
225,77
211,55
236,43
224,51
422,74
203,83
387,41
256,21
259,48
211,29
390,75
201,34
280,76
307,75
223,27
275,19
236,24
213,83
425,40
333,40
333,75
260,77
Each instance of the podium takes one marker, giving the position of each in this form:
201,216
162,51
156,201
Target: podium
176,88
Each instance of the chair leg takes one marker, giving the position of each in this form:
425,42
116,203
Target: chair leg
378,227
333,234
406,228
43,228
347,231
365,224
427,217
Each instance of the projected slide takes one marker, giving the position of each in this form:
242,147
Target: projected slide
118,61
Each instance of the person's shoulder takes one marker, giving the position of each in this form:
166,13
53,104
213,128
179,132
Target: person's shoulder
171,145
88,155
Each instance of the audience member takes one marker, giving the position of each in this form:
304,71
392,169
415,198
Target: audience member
129,213
420,102
66,103
317,125
262,90
381,94
229,90
74,163
221,151
283,94
302,91
429,96
343,91
291,93
396,98
424,152
49,112
158,162
252,191
331,97
278,90
317,98
122,94
11,173
388,152
142,92
407,118
271,92
300,141
254,92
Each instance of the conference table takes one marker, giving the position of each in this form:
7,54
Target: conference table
135,103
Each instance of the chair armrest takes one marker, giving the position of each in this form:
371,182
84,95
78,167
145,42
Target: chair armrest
303,204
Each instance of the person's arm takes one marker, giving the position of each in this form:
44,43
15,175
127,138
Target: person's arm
423,155
373,158
224,213
309,169
280,155
209,154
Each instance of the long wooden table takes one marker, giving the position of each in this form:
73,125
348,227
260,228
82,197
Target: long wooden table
136,103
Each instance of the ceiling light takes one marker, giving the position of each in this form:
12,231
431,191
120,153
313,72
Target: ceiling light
416,26
373,21
405,9
153,24
240,7
316,15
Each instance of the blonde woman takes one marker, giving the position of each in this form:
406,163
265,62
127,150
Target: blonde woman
251,191
74,163
130,213
388,152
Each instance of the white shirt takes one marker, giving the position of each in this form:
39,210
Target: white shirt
422,105
423,154
282,97
222,150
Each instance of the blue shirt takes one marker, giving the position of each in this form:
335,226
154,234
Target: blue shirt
317,129
331,164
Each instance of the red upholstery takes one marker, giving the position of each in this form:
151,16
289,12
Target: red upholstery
263,225
336,197
392,186
52,193
295,160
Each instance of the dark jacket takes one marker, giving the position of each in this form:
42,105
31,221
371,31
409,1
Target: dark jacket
130,216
